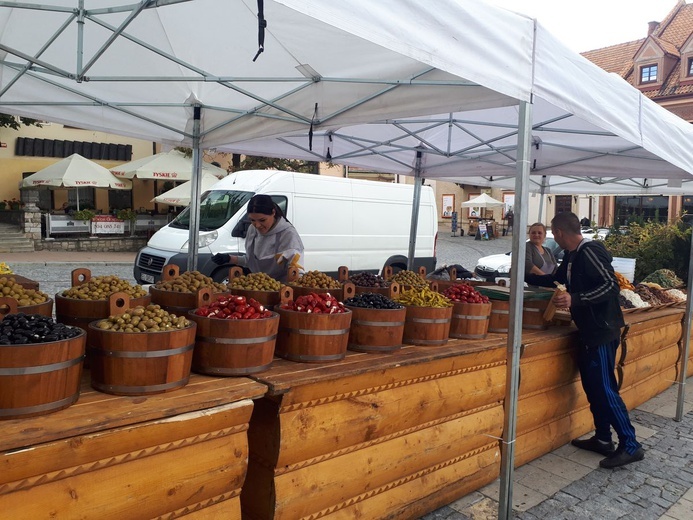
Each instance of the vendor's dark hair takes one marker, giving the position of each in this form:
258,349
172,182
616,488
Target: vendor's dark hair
567,222
265,205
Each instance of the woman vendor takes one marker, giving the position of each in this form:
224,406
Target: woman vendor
539,260
272,244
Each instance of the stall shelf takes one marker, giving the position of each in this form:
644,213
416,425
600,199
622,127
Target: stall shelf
398,435
182,453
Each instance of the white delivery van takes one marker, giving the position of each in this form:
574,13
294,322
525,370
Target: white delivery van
361,224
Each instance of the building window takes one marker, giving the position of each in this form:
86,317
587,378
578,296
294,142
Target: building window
690,66
640,209
563,203
648,74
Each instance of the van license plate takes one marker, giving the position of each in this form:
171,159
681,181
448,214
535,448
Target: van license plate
148,278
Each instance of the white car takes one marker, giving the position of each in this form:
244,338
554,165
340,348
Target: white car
493,266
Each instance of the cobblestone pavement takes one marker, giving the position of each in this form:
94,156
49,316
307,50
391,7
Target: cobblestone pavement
659,487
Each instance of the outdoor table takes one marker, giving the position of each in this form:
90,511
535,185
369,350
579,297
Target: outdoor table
111,457
398,435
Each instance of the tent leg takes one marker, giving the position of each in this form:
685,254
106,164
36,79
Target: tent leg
512,379
542,193
194,230
415,211
686,342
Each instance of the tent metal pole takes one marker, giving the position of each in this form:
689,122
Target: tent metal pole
542,191
195,192
512,378
685,351
415,211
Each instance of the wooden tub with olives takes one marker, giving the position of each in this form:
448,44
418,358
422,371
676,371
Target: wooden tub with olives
88,298
259,286
320,283
29,301
179,293
140,350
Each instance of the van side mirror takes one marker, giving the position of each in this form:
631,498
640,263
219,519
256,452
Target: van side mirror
240,230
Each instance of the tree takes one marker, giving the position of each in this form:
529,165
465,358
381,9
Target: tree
249,162
8,121
270,163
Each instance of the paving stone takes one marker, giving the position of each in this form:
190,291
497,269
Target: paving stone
439,514
565,498
682,510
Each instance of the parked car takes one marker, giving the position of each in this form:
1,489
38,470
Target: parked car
597,234
493,266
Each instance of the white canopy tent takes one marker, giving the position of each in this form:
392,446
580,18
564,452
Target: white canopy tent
326,66
483,201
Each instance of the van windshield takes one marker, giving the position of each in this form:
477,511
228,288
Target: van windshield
216,208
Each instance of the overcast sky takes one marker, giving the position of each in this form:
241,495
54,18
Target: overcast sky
590,24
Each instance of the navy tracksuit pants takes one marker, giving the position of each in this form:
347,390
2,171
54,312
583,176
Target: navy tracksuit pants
596,366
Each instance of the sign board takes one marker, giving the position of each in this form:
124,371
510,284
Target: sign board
483,231
106,224
453,223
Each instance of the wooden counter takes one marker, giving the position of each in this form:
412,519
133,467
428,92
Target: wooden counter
372,436
398,435
182,453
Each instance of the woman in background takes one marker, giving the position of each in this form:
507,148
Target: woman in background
539,260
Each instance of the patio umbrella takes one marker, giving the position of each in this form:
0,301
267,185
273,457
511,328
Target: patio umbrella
180,195
483,201
172,166
75,172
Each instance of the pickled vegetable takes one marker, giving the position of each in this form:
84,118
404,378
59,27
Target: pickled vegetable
423,298
317,280
151,318
24,329
11,288
190,282
409,279
463,292
366,279
323,303
234,308
372,301
255,282
101,287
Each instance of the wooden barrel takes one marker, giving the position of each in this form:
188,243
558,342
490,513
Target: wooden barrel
140,363
39,378
532,315
44,309
233,347
392,291
427,325
376,330
347,290
179,303
80,313
267,298
470,320
312,338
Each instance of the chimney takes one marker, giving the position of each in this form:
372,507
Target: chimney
652,27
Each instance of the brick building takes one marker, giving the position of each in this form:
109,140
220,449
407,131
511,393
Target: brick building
660,65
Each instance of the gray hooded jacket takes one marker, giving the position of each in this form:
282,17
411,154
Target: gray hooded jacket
262,250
